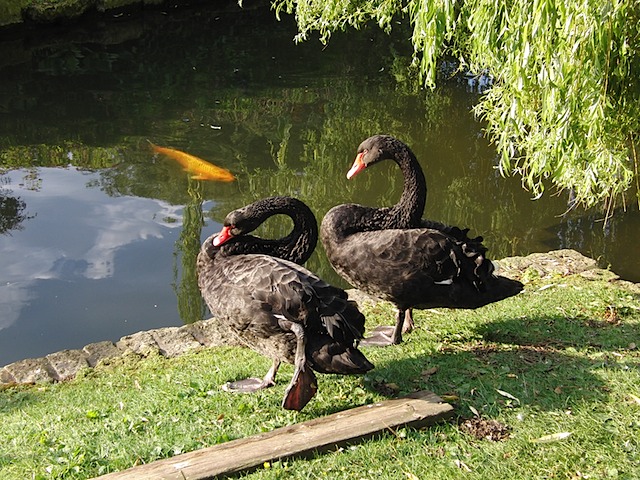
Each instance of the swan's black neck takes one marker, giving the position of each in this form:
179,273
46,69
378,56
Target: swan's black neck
296,247
409,209
407,213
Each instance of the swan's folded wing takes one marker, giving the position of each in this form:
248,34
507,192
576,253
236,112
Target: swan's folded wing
398,264
265,285
398,253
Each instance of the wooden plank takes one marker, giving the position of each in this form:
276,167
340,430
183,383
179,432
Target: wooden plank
325,433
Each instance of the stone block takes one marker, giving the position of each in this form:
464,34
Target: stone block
99,351
66,363
141,343
211,333
6,377
31,370
174,341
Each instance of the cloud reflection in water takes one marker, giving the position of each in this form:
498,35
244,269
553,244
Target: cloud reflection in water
75,234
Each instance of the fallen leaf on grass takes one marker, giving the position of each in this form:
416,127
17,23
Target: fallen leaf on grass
554,437
425,374
611,315
449,398
634,398
411,476
460,464
508,395
387,389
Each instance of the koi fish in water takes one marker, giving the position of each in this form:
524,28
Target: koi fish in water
200,169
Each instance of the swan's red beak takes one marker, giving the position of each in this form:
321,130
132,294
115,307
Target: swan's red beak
223,237
358,165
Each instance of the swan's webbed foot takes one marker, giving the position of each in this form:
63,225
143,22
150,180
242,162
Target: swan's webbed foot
384,336
249,385
302,388
380,337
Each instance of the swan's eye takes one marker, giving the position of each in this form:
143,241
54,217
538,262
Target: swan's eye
232,229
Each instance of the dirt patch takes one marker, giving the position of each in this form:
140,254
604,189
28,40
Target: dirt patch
486,429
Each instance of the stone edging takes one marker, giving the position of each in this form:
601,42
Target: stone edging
174,341
64,365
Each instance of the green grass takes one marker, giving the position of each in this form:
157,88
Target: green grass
558,359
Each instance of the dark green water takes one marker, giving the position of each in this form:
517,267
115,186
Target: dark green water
100,235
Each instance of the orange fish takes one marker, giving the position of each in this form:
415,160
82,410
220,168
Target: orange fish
200,169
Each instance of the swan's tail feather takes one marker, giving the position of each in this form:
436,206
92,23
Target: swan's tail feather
329,356
473,263
346,326
469,254
459,234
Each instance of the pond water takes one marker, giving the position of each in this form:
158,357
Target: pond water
99,235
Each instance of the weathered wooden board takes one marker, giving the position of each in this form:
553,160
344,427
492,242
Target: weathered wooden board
321,434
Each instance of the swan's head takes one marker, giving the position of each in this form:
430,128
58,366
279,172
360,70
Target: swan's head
239,222
224,236
373,150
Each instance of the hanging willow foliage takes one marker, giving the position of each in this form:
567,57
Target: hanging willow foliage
565,104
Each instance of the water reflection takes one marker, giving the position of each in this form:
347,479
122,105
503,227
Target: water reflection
107,246
11,212
72,244
191,306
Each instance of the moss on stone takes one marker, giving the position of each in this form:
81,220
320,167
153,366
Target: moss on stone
59,11
54,11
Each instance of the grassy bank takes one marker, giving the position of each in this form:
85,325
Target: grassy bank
545,385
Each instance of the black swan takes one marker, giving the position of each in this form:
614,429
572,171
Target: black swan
391,253
275,306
